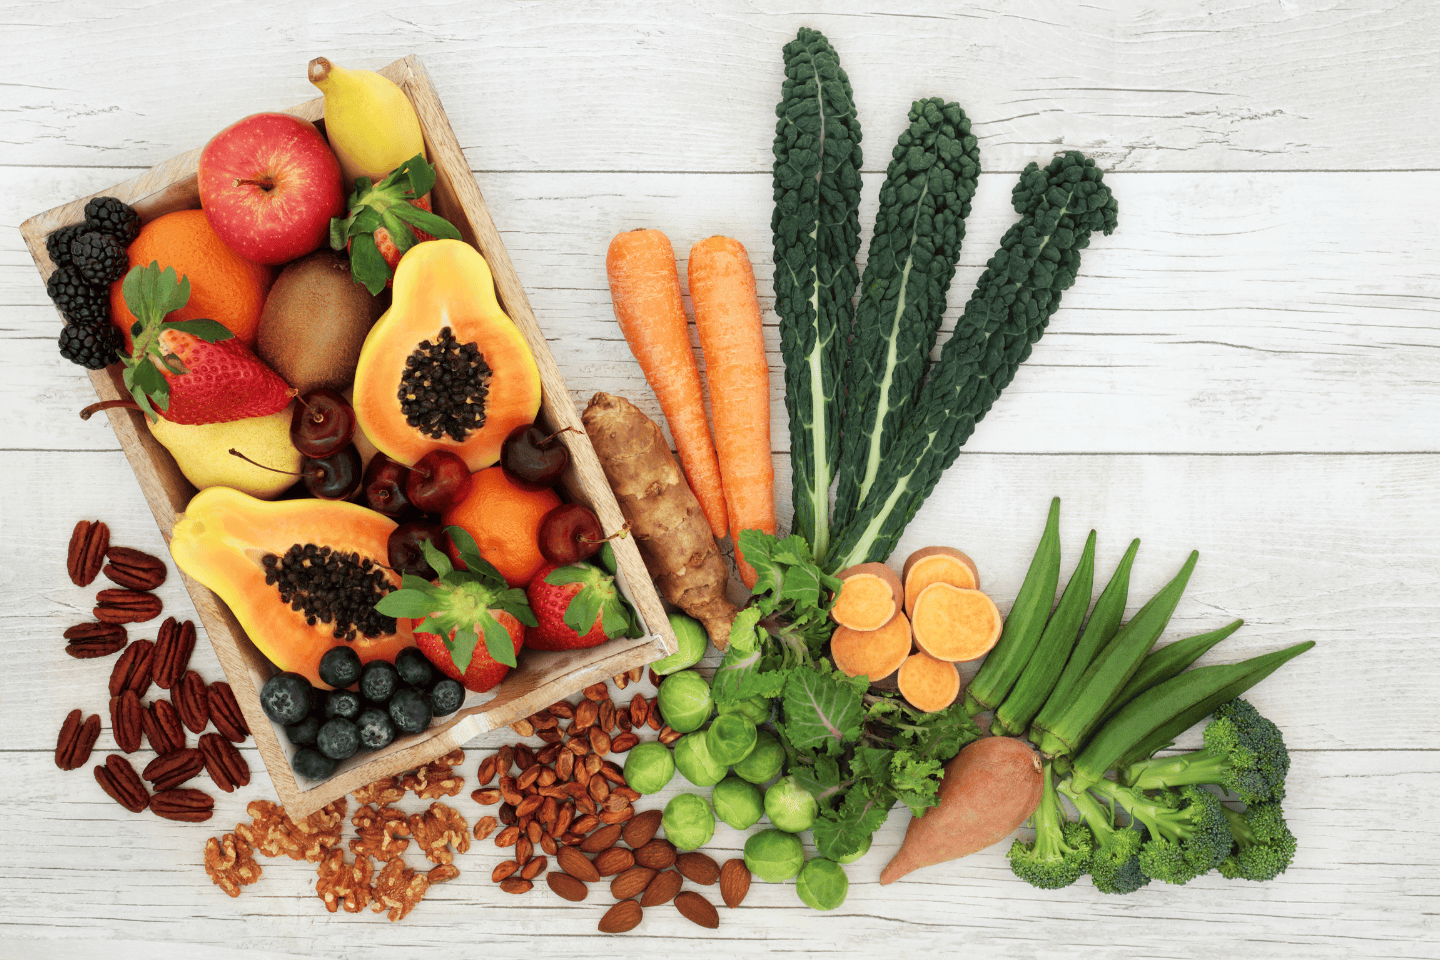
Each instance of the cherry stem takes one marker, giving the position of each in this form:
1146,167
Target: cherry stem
617,535
264,183
95,408
237,453
315,416
556,434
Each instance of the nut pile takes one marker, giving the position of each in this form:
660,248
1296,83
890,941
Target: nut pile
163,662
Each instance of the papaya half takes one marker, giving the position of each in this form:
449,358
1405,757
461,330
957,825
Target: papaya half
301,576
444,366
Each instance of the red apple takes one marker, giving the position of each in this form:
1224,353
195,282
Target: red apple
270,185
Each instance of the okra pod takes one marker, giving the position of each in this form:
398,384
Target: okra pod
1107,676
1169,661
1046,663
1178,698
1101,628
1024,624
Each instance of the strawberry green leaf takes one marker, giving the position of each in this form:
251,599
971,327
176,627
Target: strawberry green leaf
173,364
400,234
614,619
436,226
470,556
366,264
573,573
582,610
419,173
461,645
211,331
437,560
407,603
410,581
498,642
515,603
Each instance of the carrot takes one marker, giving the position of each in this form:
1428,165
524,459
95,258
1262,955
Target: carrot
874,653
727,316
645,289
870,596
952,623
928,684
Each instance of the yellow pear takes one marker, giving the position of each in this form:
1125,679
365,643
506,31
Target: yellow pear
202,451
369,121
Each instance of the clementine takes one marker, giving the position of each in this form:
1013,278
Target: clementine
504,519
224,286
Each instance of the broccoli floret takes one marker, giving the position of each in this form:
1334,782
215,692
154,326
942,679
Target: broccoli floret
1243,753
1060,853
1189,833
1264,845
1115,864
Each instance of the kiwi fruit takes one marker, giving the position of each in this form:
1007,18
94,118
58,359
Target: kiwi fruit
315,321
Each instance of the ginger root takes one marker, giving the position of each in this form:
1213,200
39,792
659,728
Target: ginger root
665,517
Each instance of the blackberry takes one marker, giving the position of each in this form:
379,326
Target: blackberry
95,346
57,244
115,217
79,301
99,257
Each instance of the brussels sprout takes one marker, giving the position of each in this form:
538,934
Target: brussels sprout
756,708
765,762
649,767
695,762
790,806
774,855
864,849
822,884
693,642
738,803
731,738
688,821
685,701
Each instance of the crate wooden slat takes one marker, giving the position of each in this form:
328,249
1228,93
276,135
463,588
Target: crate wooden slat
541,678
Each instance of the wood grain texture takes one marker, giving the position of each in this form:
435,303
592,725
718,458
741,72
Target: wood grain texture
1248,367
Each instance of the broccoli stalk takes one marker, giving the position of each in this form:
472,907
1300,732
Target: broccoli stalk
1115,865
1060,853
1264,845
1189,833
1243,753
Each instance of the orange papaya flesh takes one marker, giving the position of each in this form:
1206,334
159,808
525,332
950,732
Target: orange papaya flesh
261,556
471,377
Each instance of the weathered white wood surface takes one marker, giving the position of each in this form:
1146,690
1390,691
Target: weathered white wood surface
1249,367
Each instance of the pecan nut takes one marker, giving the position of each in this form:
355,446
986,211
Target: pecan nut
171,770
227,768
191,701
184,804
163,728
88,543
132,670
118,779
225,713
173,646
89,640
134,569
120,605
76,740
127,721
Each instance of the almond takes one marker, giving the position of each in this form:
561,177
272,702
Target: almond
642,829
503,870
566,886
734,882
615,860
697,909
602,839
534,868
625,915
517,885
662,889
630,883
657,854
698,867
575,863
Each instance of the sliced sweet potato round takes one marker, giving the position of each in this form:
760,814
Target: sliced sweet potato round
928,684
936,565
872,653
869,598
953,623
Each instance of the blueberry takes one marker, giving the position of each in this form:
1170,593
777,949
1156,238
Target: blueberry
312,765
378,681
340,667
410,709
376,730
285,698
342,703
446,697
338,739
414,668
303,734
318,698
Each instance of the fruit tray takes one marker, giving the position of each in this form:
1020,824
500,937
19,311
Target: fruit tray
540,678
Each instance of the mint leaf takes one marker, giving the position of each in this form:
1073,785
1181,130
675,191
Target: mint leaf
822,709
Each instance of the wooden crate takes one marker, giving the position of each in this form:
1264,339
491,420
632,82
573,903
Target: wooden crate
541,678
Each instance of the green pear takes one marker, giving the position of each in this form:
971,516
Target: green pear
202,451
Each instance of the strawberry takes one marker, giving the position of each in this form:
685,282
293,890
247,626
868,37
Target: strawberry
451,613
386,219
577,606
194,371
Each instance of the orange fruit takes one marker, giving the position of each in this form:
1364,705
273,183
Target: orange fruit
224,286
505,521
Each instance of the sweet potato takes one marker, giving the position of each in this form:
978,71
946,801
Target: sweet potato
936,565
869,598
928,684
874,653
952,623
669,526
989,789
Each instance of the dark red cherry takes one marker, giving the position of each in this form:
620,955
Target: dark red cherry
335,477
534,459
384,487
569,533
404,550
438,479
323,423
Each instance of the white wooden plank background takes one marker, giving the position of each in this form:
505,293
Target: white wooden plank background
1249,367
